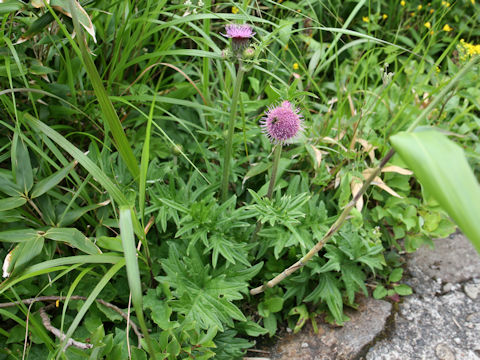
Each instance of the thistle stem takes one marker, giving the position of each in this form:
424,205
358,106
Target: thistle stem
276,160
231,128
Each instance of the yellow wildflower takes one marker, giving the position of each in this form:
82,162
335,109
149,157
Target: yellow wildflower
431,11
432,32
295,66
446,3
465,50
447,28
419,7
473,2
412,14
384,16
428,25
286,47
235,10
366,19
402,2
437,69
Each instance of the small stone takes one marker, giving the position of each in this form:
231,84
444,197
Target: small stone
289,330
304,345
472,290
474,318
447,287
457,341
443,352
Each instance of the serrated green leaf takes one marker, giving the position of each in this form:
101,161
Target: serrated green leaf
354,279
328,291
161,312
251,328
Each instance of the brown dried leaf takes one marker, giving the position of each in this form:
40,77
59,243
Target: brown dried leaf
355,186
397,169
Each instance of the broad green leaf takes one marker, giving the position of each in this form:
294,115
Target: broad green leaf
49,182
395,275
110,243
11,203
20,235
23,166
379,292
74,238
442,169
403,289
161,312
8,187
8,6
24,252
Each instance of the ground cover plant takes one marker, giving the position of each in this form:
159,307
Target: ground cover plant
178,178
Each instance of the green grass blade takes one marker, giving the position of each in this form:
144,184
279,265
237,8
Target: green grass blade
90,299
144,162
106,106
133,273
78,155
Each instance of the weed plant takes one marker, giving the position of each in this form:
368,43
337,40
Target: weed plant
139,222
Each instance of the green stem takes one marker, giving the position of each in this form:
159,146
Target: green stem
276,160
231,128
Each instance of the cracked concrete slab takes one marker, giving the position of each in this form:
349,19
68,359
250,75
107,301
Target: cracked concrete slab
440,320
333,342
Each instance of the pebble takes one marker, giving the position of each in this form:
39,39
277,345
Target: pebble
472,290
304,345
474,318
443,352
457,341
447,287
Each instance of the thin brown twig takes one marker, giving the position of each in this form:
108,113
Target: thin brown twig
59,334
76,297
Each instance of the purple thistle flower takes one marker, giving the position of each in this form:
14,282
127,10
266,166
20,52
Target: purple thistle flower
235,31
282,123
240,35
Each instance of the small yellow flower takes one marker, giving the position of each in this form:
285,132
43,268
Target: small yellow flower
235,10
384,16
428,25
447,28
295,66
412,14
419,7
286,47
366,19
432,32
473,2
446,3
403,3
437,69
432,11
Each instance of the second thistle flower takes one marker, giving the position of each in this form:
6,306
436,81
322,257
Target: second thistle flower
282,124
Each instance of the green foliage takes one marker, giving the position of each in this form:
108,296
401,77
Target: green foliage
117,145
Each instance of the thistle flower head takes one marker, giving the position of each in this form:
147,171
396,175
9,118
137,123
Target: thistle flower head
240,35
282,123
236,31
